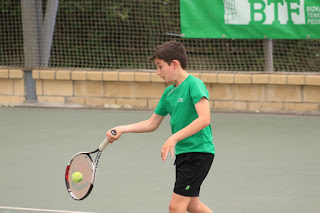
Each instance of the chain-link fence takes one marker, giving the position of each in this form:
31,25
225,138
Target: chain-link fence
122,34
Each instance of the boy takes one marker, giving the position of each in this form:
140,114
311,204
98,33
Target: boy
187,103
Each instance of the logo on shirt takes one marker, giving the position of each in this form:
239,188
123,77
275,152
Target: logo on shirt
180,100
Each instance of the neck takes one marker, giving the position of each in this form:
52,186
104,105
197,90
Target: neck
181,77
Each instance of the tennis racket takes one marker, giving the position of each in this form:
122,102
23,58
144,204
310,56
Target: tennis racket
82,162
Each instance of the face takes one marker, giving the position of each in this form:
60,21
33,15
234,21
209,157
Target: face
164,70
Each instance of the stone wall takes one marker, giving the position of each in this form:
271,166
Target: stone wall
12,88
286,93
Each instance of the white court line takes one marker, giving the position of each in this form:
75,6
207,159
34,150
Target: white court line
40,210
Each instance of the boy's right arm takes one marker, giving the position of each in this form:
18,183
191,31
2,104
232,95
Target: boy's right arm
144,126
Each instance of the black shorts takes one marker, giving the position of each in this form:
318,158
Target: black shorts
191,170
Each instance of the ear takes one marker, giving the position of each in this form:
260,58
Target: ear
175,63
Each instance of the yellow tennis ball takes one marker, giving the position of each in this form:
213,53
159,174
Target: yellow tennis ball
77,177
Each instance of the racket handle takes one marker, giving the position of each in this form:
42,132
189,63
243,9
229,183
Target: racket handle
105,142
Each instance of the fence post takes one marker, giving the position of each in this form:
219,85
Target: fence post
31,25
268,55
48,29
38,33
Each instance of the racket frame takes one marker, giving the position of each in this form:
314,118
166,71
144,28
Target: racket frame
94,166
102,146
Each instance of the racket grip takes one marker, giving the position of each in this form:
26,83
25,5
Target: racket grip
105,142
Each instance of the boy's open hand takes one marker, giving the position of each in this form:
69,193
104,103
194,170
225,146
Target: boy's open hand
167,147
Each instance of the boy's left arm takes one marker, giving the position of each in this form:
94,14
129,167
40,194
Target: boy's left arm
203,120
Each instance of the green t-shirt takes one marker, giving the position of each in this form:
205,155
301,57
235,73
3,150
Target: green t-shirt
180,102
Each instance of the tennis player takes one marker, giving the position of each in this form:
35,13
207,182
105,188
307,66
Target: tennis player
187,102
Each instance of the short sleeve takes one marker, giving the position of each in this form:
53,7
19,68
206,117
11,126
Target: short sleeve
198,90
161,107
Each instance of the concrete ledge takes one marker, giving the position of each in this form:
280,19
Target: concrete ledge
242,79
209,77
296,79
236,92
79,75
4,73
110,76
225,78
142,77
278,79
94,76
313,80
47,74
126,76
16,74
12,74
63,75
260,79
220,78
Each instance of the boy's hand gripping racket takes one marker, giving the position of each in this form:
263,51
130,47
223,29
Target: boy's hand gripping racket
82,163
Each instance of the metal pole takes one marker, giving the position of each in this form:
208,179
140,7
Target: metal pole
268,55
48,30
31,25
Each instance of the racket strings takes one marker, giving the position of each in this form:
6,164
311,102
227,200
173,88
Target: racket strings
81,163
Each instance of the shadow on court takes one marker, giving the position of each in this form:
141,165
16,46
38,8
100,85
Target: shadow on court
263,163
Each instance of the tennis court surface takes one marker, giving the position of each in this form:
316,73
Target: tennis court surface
264,163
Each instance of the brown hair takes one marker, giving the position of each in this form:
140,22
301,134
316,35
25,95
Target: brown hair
169,51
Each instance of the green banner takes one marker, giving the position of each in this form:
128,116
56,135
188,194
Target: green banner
250,19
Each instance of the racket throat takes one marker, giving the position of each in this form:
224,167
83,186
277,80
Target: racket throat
97,160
